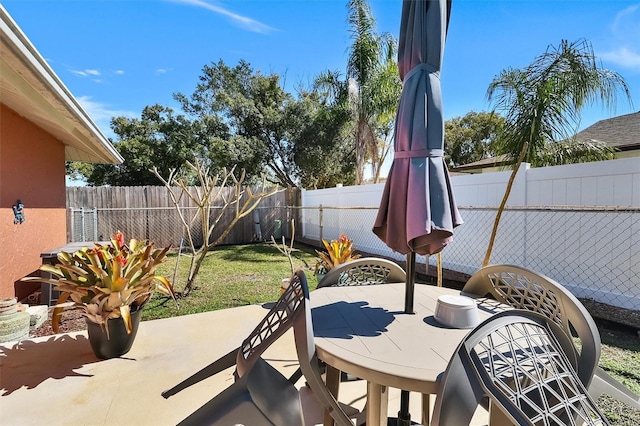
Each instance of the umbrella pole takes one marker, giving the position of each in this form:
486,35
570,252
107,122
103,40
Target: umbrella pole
411,280
404,417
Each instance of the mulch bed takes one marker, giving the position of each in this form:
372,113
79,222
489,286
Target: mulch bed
627,317
72,320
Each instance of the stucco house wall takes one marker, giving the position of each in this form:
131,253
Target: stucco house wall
42,125
31,170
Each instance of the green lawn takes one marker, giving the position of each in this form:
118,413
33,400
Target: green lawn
230,276
249,274
621,359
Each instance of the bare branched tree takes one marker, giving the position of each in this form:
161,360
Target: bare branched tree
224,191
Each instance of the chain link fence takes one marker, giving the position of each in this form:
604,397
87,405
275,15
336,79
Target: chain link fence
164,227
592,251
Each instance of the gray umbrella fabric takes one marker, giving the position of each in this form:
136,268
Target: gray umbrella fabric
418,212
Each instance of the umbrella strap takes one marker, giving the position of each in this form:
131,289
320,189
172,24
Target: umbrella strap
419,153
422,67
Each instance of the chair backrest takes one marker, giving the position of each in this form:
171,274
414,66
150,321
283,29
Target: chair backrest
522,288
306,349
292,309
278,320
519,359
363,271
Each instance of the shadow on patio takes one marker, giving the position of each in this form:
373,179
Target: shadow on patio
58,380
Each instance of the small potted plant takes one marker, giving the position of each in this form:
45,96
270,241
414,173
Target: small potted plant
338,252
112,283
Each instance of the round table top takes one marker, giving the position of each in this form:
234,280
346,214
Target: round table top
363,330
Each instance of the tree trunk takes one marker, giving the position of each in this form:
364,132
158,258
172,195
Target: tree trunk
196,262
360,153
507,192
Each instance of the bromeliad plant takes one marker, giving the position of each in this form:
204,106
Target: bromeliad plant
338,252
109,281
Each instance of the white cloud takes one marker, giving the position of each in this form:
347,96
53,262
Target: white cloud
245,22
101,114
162,71
623,57
623,47
623,17
86,73
93,73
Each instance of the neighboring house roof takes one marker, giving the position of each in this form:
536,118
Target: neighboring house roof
497,161
29,86
621,133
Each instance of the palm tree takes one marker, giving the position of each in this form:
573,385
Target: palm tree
374,87
573,151
541,102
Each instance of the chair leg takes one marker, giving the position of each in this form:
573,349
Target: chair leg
377,404
333,384
426,409
497,417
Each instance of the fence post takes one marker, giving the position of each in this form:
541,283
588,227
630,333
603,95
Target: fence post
257,229
82,224
320,221
95,224
71,223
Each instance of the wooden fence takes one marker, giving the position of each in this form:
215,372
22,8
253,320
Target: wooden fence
148,212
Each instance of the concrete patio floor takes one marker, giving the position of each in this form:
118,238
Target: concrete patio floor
56,380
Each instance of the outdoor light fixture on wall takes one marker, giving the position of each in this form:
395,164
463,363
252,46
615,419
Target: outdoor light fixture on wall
18,212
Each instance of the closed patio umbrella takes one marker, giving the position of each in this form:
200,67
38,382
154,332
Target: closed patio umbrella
417,212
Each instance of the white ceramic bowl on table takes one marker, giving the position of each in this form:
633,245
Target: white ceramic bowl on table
457,311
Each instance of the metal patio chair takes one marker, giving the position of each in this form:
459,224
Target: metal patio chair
522,288
261,395
519,360
363,271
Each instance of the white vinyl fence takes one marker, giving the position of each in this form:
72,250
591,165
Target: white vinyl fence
578,224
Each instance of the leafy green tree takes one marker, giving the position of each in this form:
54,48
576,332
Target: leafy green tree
472,137
373,88
239,118
253,115
159,138
323,150
542,103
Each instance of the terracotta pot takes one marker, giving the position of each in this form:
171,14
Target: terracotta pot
119,342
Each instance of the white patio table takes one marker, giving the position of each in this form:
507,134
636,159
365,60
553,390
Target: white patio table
363,331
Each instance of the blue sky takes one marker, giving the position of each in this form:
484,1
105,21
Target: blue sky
117,57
